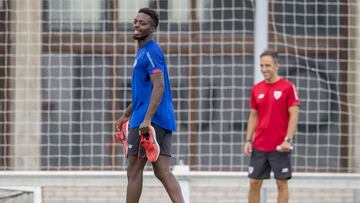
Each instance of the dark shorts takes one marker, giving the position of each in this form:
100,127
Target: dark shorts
261,163
163,138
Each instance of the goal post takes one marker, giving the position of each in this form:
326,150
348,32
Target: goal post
24,78
261,36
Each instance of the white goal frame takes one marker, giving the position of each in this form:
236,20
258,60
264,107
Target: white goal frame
35,190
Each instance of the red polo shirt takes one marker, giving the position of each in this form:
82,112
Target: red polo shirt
272,101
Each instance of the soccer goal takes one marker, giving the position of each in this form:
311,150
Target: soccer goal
65,77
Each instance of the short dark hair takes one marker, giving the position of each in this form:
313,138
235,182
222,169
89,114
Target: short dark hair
153,14
273,54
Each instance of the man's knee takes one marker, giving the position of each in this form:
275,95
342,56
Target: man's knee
282,185
133,174
162,174
134,171
255,184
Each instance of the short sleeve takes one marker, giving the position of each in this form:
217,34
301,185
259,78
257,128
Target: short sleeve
253,104
293,99
155,62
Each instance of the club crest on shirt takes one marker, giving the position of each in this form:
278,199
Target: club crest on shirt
277,94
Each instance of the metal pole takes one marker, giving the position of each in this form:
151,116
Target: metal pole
25,71
261,43
261,34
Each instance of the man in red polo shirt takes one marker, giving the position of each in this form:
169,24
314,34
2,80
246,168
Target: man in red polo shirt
271,127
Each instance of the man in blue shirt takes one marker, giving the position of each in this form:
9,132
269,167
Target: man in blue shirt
151,107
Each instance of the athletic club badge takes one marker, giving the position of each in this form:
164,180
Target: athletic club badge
277,94
251,170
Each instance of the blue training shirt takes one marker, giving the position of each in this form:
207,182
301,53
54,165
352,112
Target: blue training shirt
150,60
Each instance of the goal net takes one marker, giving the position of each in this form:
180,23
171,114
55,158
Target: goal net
65,77
316,42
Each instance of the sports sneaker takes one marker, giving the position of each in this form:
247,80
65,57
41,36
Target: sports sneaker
149,143
122,136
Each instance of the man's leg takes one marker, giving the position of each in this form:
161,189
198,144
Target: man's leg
135,178
259,169
281,165
283,191
254,190
163,173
